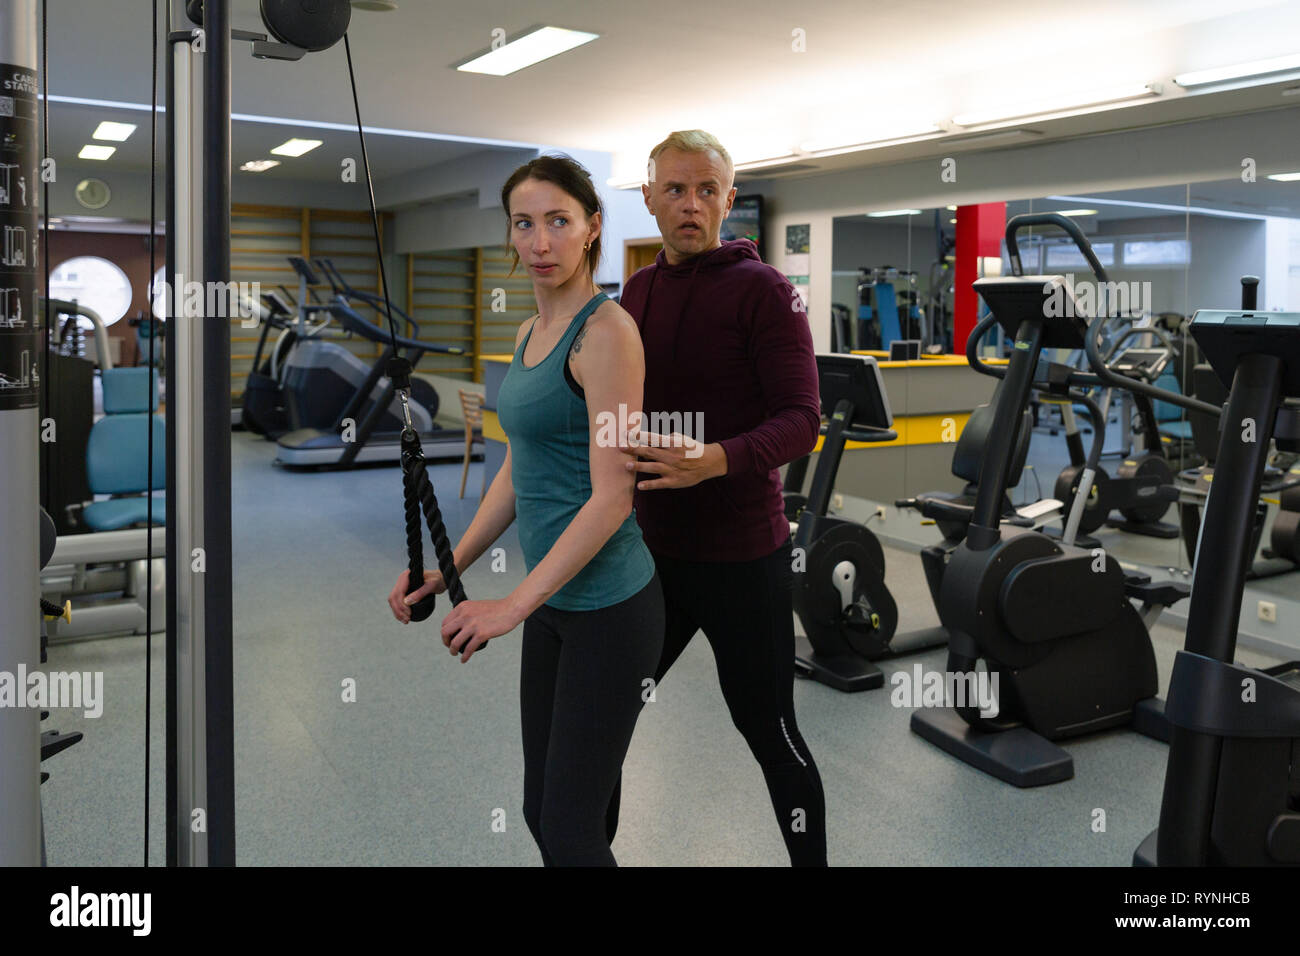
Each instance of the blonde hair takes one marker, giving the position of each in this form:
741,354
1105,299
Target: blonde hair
692,141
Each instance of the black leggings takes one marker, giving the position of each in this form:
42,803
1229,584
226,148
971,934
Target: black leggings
745,611
581,689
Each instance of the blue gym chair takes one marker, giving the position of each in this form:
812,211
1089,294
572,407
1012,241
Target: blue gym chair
116,453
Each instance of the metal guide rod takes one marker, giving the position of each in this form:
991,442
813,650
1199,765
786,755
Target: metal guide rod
200,745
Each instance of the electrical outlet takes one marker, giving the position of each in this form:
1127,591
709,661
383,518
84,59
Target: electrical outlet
881,512
1268,611
837,502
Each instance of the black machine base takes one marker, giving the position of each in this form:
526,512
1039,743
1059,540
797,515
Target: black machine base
1149,719
1019,756
1152,529
914,642
1145,854
849,673
852,672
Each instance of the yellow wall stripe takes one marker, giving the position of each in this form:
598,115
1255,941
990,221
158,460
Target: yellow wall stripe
937,429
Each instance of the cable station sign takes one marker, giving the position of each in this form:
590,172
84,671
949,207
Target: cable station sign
19,234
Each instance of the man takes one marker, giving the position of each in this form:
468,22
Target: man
726,342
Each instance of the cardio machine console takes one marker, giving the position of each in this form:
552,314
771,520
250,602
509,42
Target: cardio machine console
1225,336
855,378
1143,364
1049,299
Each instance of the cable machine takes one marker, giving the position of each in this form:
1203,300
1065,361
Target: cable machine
20,345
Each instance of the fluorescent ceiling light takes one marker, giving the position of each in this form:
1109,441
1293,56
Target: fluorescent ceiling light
541,44
1285,177
1168,207
894,212
1057,105
1005,135
296,147
867,140
1075,212
952,222
117,132
951,208
625,183
259,165
96,152
1220,74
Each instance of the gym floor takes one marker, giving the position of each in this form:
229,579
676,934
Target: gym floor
412,772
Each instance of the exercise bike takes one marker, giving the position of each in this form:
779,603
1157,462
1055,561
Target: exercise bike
847,613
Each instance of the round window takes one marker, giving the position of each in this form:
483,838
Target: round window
93,282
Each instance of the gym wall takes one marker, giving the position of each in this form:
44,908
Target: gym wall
457,205
442,289
465,297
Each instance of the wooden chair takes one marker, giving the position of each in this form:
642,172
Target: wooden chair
471,405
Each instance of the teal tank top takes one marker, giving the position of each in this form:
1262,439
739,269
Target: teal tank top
546,425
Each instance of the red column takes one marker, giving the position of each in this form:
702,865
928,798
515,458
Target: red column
979,233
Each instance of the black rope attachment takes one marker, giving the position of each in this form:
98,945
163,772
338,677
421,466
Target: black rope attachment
416,486
418,492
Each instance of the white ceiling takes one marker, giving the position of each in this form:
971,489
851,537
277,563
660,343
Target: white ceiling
728,66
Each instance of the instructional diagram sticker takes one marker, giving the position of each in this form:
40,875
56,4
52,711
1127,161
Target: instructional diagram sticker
20,326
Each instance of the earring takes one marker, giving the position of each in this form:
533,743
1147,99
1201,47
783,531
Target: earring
586,247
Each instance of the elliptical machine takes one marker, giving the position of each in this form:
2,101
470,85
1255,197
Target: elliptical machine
1136,488
264,408
1065,650
951,513
1280,482
1232,783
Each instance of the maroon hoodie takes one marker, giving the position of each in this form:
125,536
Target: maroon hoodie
723,337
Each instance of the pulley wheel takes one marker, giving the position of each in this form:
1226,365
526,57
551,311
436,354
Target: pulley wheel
308,24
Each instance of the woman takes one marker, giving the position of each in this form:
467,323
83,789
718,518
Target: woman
590,604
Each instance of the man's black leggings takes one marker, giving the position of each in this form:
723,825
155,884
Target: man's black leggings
745,611
581,689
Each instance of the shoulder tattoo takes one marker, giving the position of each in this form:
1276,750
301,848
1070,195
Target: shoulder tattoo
577,342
